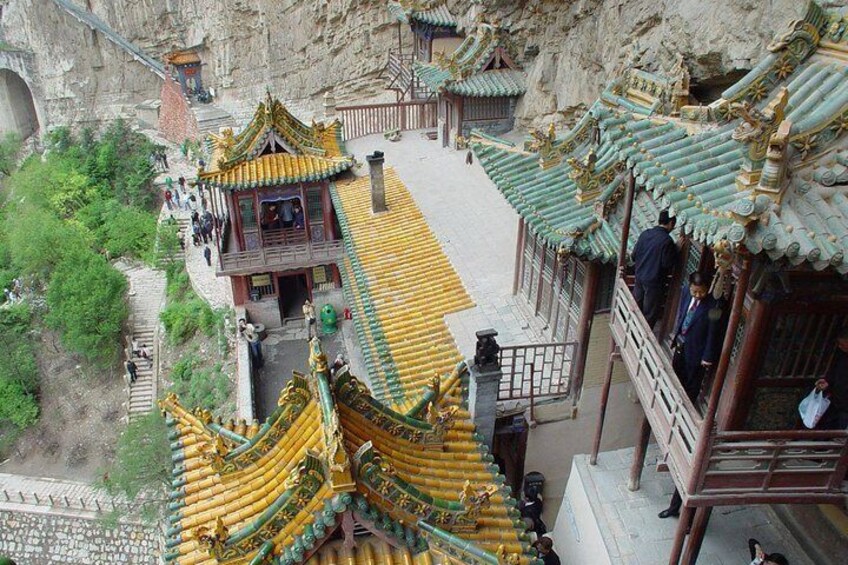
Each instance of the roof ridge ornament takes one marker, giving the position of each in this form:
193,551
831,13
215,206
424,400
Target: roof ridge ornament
755,131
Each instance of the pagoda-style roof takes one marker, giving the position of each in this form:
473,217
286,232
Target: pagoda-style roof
434,14
480,66
402,464
185,57
276,149
764,166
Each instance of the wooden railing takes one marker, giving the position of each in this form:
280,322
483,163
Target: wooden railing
282,257
675,422
775,465
533,372
359,121
740,466
402,78
284,236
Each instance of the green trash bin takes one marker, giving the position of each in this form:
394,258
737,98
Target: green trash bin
329,320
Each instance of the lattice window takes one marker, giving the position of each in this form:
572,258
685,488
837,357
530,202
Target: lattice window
606,285
547,285
248,216
693,259
313,204
737,340
801,344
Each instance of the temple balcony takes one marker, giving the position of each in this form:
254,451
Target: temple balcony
279,257
712,467
402,78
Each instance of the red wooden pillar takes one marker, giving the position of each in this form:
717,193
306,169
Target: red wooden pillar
257,215
217,229
327,212
680,535
622,262
696,539
734,411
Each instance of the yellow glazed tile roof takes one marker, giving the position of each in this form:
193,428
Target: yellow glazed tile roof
410,282
408,466
275,148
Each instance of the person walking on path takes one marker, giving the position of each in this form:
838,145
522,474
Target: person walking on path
168,199
655,255
144,353
164,157
132,371
309,318
207,254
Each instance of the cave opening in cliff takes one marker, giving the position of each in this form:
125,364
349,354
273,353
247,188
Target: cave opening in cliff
17,107
709,89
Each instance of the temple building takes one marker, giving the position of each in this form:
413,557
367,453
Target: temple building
477,85
757,181
279,238
434,31
186,65
386,470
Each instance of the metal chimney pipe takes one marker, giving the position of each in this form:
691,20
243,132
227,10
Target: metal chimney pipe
378,184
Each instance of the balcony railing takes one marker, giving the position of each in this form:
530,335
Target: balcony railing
675,422
281,258
807,464
762,466
403,78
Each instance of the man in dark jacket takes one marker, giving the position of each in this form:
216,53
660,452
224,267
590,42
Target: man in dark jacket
697,334
697,345
545,547
835,385
655,255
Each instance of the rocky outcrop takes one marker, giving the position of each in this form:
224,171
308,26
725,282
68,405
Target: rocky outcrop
301,49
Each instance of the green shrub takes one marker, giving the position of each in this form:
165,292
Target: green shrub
10,146
18,368
120,230
86,300
204,387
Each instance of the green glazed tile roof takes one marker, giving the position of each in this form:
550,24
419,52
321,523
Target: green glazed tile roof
692,169
438,16
467,71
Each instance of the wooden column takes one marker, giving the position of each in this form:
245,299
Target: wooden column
622,263
696,538
735,410
257,215
584,325
541,279
327,212
680,535
519,256
639,455
217,229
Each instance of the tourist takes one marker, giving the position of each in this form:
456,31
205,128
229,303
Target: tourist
144,353
288,213
164,157
132,371
192,203
655,256
195,234
177,199
249,333
696,343
309,319
271,220
835,386
207,254
182,182
168,199
760,557
545,547
531,506
298,216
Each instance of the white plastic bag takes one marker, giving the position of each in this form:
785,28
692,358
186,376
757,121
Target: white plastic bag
813,407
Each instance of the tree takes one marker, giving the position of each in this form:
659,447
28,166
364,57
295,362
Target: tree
18,368
10,146
86,301
142,465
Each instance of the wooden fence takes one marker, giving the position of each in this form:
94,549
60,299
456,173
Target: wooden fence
369,119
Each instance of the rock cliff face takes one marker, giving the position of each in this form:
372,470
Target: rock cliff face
302,48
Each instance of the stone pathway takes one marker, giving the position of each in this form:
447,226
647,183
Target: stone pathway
46,521
147,296
475,226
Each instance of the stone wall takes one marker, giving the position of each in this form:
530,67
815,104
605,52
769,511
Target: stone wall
300,49
45,539
176,120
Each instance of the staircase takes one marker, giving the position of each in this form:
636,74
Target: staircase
210,118
147,295
143,391
89,19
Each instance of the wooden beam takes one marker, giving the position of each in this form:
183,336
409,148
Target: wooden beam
519,255
639,455
680,535
696,537
741,393
591,283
